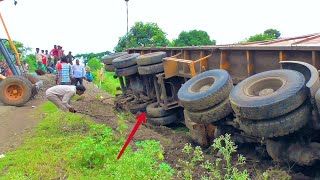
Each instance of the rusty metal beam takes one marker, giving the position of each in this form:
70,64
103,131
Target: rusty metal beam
203,64
224,64
282,56
315,59
249,63
234,47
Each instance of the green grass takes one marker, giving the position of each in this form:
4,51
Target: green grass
66,145
109,84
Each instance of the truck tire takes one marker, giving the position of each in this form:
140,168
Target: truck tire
109,68
107,59
134,108
33,79
151,69
151,58
126,71
155,111
125,60
278,126
268,94
205,90
212,114
161,121
15,91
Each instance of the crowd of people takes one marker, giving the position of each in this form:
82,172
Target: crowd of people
55,61
69,76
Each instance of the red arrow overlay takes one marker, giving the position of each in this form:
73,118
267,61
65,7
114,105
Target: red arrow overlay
141,119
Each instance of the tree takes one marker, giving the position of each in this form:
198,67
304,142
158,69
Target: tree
22,50
268,34
272,32
86,57
193,38
260,37
142,35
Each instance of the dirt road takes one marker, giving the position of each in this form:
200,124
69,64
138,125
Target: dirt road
14,121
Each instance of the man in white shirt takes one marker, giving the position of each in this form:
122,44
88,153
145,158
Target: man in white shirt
61,95
78,72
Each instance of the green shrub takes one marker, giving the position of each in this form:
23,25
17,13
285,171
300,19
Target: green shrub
31,60
109,84
95,64
225,168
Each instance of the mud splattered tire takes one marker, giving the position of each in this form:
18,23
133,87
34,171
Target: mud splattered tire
33,79
109,68
161,121
279,126
154,111
151,69
125,60
151,58
210,115
134,108
126,71
15,91
205,90
107,59
286,88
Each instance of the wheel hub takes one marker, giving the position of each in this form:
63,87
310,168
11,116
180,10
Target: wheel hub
14,92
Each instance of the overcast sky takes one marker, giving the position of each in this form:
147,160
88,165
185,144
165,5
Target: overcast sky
84,26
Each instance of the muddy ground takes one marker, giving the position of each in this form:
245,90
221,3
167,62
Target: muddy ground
99,107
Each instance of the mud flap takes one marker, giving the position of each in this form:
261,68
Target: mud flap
312,83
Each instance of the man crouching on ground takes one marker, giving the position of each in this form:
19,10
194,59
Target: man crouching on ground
61,95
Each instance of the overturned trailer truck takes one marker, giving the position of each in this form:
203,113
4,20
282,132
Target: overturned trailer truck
266,93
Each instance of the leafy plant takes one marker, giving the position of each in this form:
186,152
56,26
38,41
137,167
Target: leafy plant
122,126
93,152
226,147
194,157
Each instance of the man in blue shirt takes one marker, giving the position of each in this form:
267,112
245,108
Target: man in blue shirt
89,76
78,72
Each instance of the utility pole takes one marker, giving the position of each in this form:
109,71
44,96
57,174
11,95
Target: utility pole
127,44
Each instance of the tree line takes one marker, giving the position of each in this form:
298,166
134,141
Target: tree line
151,35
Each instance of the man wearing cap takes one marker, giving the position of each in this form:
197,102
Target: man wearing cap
61,95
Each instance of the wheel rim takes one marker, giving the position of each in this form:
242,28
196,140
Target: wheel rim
202,85
265,86
14,91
